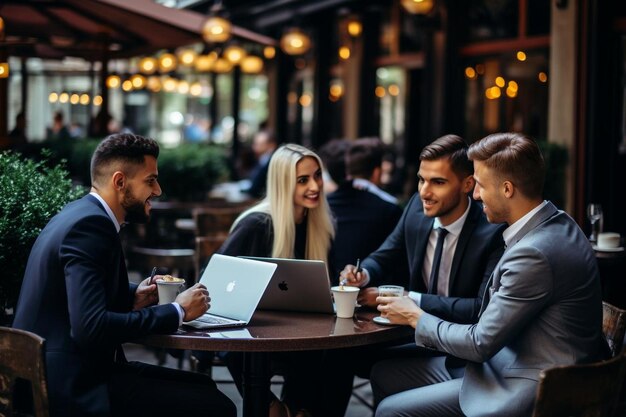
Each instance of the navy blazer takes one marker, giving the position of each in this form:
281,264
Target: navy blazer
477,252
364,221
76,295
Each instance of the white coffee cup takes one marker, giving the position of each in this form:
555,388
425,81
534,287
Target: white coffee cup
608,240
168,290
345,300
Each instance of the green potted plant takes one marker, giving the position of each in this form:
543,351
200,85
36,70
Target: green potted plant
31,193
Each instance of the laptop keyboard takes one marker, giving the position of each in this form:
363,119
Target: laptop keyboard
214,320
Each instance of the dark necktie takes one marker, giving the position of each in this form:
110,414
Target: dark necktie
434,272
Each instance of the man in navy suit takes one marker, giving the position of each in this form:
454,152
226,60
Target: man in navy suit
364,213
470,249
76,295
543,306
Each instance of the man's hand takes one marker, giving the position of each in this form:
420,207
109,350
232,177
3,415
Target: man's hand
351,276
194,301
399,310
146,294
367,297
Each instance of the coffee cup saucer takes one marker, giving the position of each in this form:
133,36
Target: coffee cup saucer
602,249
382,320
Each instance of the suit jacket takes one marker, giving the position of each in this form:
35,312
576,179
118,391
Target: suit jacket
478,250
543,309
364,221
77,296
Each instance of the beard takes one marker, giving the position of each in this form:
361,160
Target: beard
135,209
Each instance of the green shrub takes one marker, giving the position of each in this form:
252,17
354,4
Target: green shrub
186,172
189,171
31,193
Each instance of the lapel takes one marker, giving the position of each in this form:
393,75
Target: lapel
117,280
494,280
424,226
464,239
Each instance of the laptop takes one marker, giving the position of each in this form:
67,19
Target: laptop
235,286
297,285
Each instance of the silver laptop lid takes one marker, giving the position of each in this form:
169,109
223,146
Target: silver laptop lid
297,285
236,285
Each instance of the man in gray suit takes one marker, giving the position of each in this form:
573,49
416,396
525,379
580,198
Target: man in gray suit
542,308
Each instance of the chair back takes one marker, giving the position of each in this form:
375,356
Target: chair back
215,221
613,326
588,390
22,360
206,246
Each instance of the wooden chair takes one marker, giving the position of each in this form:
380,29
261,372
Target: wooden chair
22,363
613,326
206,246
589,390
215,221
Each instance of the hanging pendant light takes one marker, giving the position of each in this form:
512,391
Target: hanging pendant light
4,69
167,62
295,42
235,54
222,66
216,30
251,65
148,65
113,81
418,6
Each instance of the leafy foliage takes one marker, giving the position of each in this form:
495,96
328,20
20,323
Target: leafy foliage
188,172
31,193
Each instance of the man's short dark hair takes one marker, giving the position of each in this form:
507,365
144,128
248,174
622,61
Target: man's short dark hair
452,147
364,156
514,157
333,155
128,149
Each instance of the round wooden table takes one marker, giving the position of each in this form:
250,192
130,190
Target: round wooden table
274,331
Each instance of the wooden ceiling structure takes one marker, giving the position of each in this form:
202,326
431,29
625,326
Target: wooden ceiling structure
97,31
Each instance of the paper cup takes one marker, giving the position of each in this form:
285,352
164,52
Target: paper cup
168,291
345,300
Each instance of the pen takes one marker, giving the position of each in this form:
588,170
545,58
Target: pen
356,271
154,270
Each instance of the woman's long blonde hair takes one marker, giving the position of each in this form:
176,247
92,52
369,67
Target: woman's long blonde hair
281,184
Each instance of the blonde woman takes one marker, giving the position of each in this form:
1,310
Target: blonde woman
293,221
294,191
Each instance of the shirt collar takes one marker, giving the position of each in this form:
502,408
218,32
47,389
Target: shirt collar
108,210
456,226
363,184
513,229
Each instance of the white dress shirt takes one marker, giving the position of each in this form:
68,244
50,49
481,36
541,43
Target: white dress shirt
449,248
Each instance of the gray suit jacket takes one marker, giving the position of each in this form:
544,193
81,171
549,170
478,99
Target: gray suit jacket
543,308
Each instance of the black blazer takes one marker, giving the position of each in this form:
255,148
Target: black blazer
77,296
477,252
363,220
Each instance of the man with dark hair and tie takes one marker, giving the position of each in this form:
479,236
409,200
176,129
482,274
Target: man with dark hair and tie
450,248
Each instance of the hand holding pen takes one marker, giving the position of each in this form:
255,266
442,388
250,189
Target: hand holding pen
352,275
